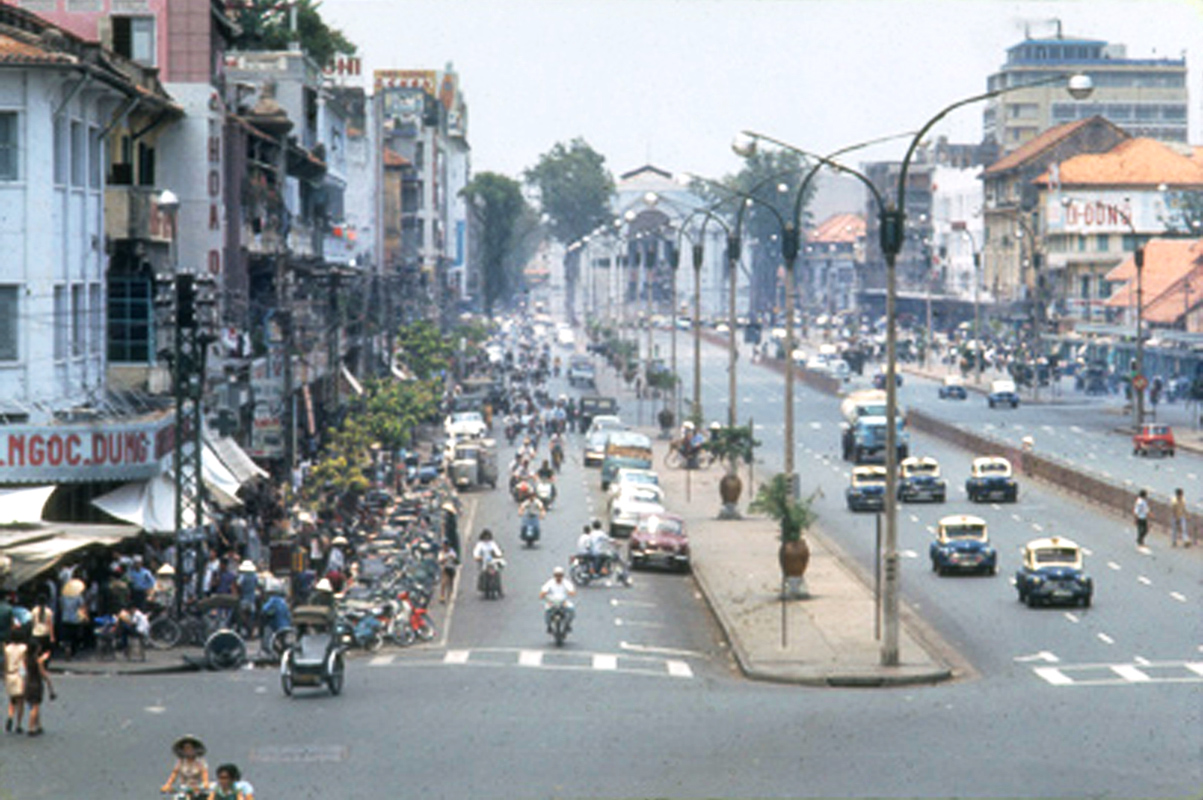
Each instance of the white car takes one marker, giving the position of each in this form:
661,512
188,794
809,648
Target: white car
629,476
632,503
604,423
465,425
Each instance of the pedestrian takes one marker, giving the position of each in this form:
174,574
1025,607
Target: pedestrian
448,566
73,616
43,624
1140,511
248,586
1179,520
141,582
37,681
14,679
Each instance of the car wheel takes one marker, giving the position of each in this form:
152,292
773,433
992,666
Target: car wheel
1086,601
286,675
934,567
991,402
1031,600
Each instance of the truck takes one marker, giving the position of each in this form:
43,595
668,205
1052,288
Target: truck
863,432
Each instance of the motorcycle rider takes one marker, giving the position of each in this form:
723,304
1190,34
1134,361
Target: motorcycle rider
530,511
485,553
556,446
558,592
600,548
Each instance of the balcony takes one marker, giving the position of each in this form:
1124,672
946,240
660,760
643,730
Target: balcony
132,212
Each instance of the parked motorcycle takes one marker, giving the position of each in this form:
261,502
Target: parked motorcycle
361,628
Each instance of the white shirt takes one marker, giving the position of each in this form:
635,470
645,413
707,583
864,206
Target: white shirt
1141,509
485,552
557,591
599,543
583,543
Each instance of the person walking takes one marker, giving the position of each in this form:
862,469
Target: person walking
1179,521
1140,512
37,681
448,566
73,616
43,624
14,678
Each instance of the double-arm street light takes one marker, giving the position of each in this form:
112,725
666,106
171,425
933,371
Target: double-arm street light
893,223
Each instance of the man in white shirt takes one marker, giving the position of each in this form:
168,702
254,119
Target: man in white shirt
599,546
1140,511
558,592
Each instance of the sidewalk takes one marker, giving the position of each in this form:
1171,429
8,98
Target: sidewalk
156,662
829,638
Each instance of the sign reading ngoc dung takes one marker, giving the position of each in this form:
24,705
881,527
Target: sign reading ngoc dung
84,453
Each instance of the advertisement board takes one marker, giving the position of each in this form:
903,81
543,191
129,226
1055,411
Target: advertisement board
267,387
85,453
1103,211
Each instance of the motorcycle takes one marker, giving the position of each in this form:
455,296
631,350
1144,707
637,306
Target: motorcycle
557,456
558,622
583,572
529,532
413,620
360,629
546,492
489,582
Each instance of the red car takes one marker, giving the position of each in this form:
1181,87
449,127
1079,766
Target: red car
1157,439
661,539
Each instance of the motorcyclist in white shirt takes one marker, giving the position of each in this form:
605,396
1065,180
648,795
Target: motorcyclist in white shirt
599,546
558,592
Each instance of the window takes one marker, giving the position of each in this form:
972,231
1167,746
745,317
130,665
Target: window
9,146
146,165
62,323
130,309
79,320
9,322
95,158
1102,243
95,319
79,158
134,38
61,155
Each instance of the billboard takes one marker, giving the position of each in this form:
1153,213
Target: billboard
85,453
1103,211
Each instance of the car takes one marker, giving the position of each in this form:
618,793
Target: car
1003,393
595,448
624,449
581,372
660,539
607,423
630,476
465,424
953,388
879,380
919,479
1053,571
628,506
590,407
566,337
962,544
1151,439
991,477
867,489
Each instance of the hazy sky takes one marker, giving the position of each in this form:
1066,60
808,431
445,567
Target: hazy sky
670,81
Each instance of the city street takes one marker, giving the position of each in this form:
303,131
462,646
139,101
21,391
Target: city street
644,701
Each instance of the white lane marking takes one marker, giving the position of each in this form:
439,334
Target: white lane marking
678,669
1016,517
155,709
457,657
1114,566
1086,551
816,425
1141,661
1075,429
1043,655
1144,550
1195,666
629,623
1129,673
908,554
530,658
1072,617
1192,476
1053,676
1036,526
668,651
1144,580
996,506
1179,596
605,661
615,602
1105,639
914,518
380,661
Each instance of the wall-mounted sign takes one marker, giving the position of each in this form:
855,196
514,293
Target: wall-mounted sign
85,453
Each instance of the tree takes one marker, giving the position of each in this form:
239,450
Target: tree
500,213
773,178
574,192
267,25
425,351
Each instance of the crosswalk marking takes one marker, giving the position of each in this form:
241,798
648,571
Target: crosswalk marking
456,657
678,669
1141,672
557,659
530,658
604,661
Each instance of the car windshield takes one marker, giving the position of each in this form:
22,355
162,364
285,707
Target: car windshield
643,495
994,468
466,416
965,531
640,477
1056,555
922,469
665,525
868,478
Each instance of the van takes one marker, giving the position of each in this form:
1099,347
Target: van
624,449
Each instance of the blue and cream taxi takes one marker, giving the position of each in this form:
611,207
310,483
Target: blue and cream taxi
962,544
1053,572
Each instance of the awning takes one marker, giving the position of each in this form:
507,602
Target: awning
31,553
222,485
148,504
235,459
24,504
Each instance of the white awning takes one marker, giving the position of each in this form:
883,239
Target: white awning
34,552
148,504
235,459
24,504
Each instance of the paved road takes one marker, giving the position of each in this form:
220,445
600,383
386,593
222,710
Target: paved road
496,711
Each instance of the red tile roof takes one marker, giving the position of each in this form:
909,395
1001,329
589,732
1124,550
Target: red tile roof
394,159
1039,144
15,50
1135,162
1169,265
839,229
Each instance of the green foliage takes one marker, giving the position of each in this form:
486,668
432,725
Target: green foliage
1186,212
265,25
733,444
424,350
574,189
775,498
503,222
662,379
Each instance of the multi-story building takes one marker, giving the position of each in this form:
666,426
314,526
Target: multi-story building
957,231
1144,96
831,264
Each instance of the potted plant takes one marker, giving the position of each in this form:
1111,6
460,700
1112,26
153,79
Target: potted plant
732,445
794,517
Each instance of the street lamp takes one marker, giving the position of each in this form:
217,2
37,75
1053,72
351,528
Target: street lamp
893,221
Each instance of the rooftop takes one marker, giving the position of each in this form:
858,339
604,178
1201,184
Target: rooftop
839,229
1170,267
1134,162
1045,141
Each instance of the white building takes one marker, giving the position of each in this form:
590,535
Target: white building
958,227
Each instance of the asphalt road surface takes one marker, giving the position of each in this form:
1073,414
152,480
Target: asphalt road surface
644,702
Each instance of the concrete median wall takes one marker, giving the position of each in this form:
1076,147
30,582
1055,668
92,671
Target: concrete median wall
1112,496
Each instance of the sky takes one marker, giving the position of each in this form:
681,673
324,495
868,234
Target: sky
670,82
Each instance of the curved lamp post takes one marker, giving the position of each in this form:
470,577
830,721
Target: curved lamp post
893,221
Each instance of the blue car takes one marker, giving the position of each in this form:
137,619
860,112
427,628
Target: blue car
1053,572
962,545
991,478
1003,393
919,479
867,491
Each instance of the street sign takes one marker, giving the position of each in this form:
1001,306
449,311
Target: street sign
1140,383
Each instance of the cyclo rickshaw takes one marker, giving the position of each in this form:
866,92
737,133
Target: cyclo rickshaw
317,657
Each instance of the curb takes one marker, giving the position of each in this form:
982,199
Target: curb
185,665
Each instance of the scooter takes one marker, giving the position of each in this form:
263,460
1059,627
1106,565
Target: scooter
546,492
490,579
582,571
558,622
529,532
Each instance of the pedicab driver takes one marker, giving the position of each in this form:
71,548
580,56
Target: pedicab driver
558,592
